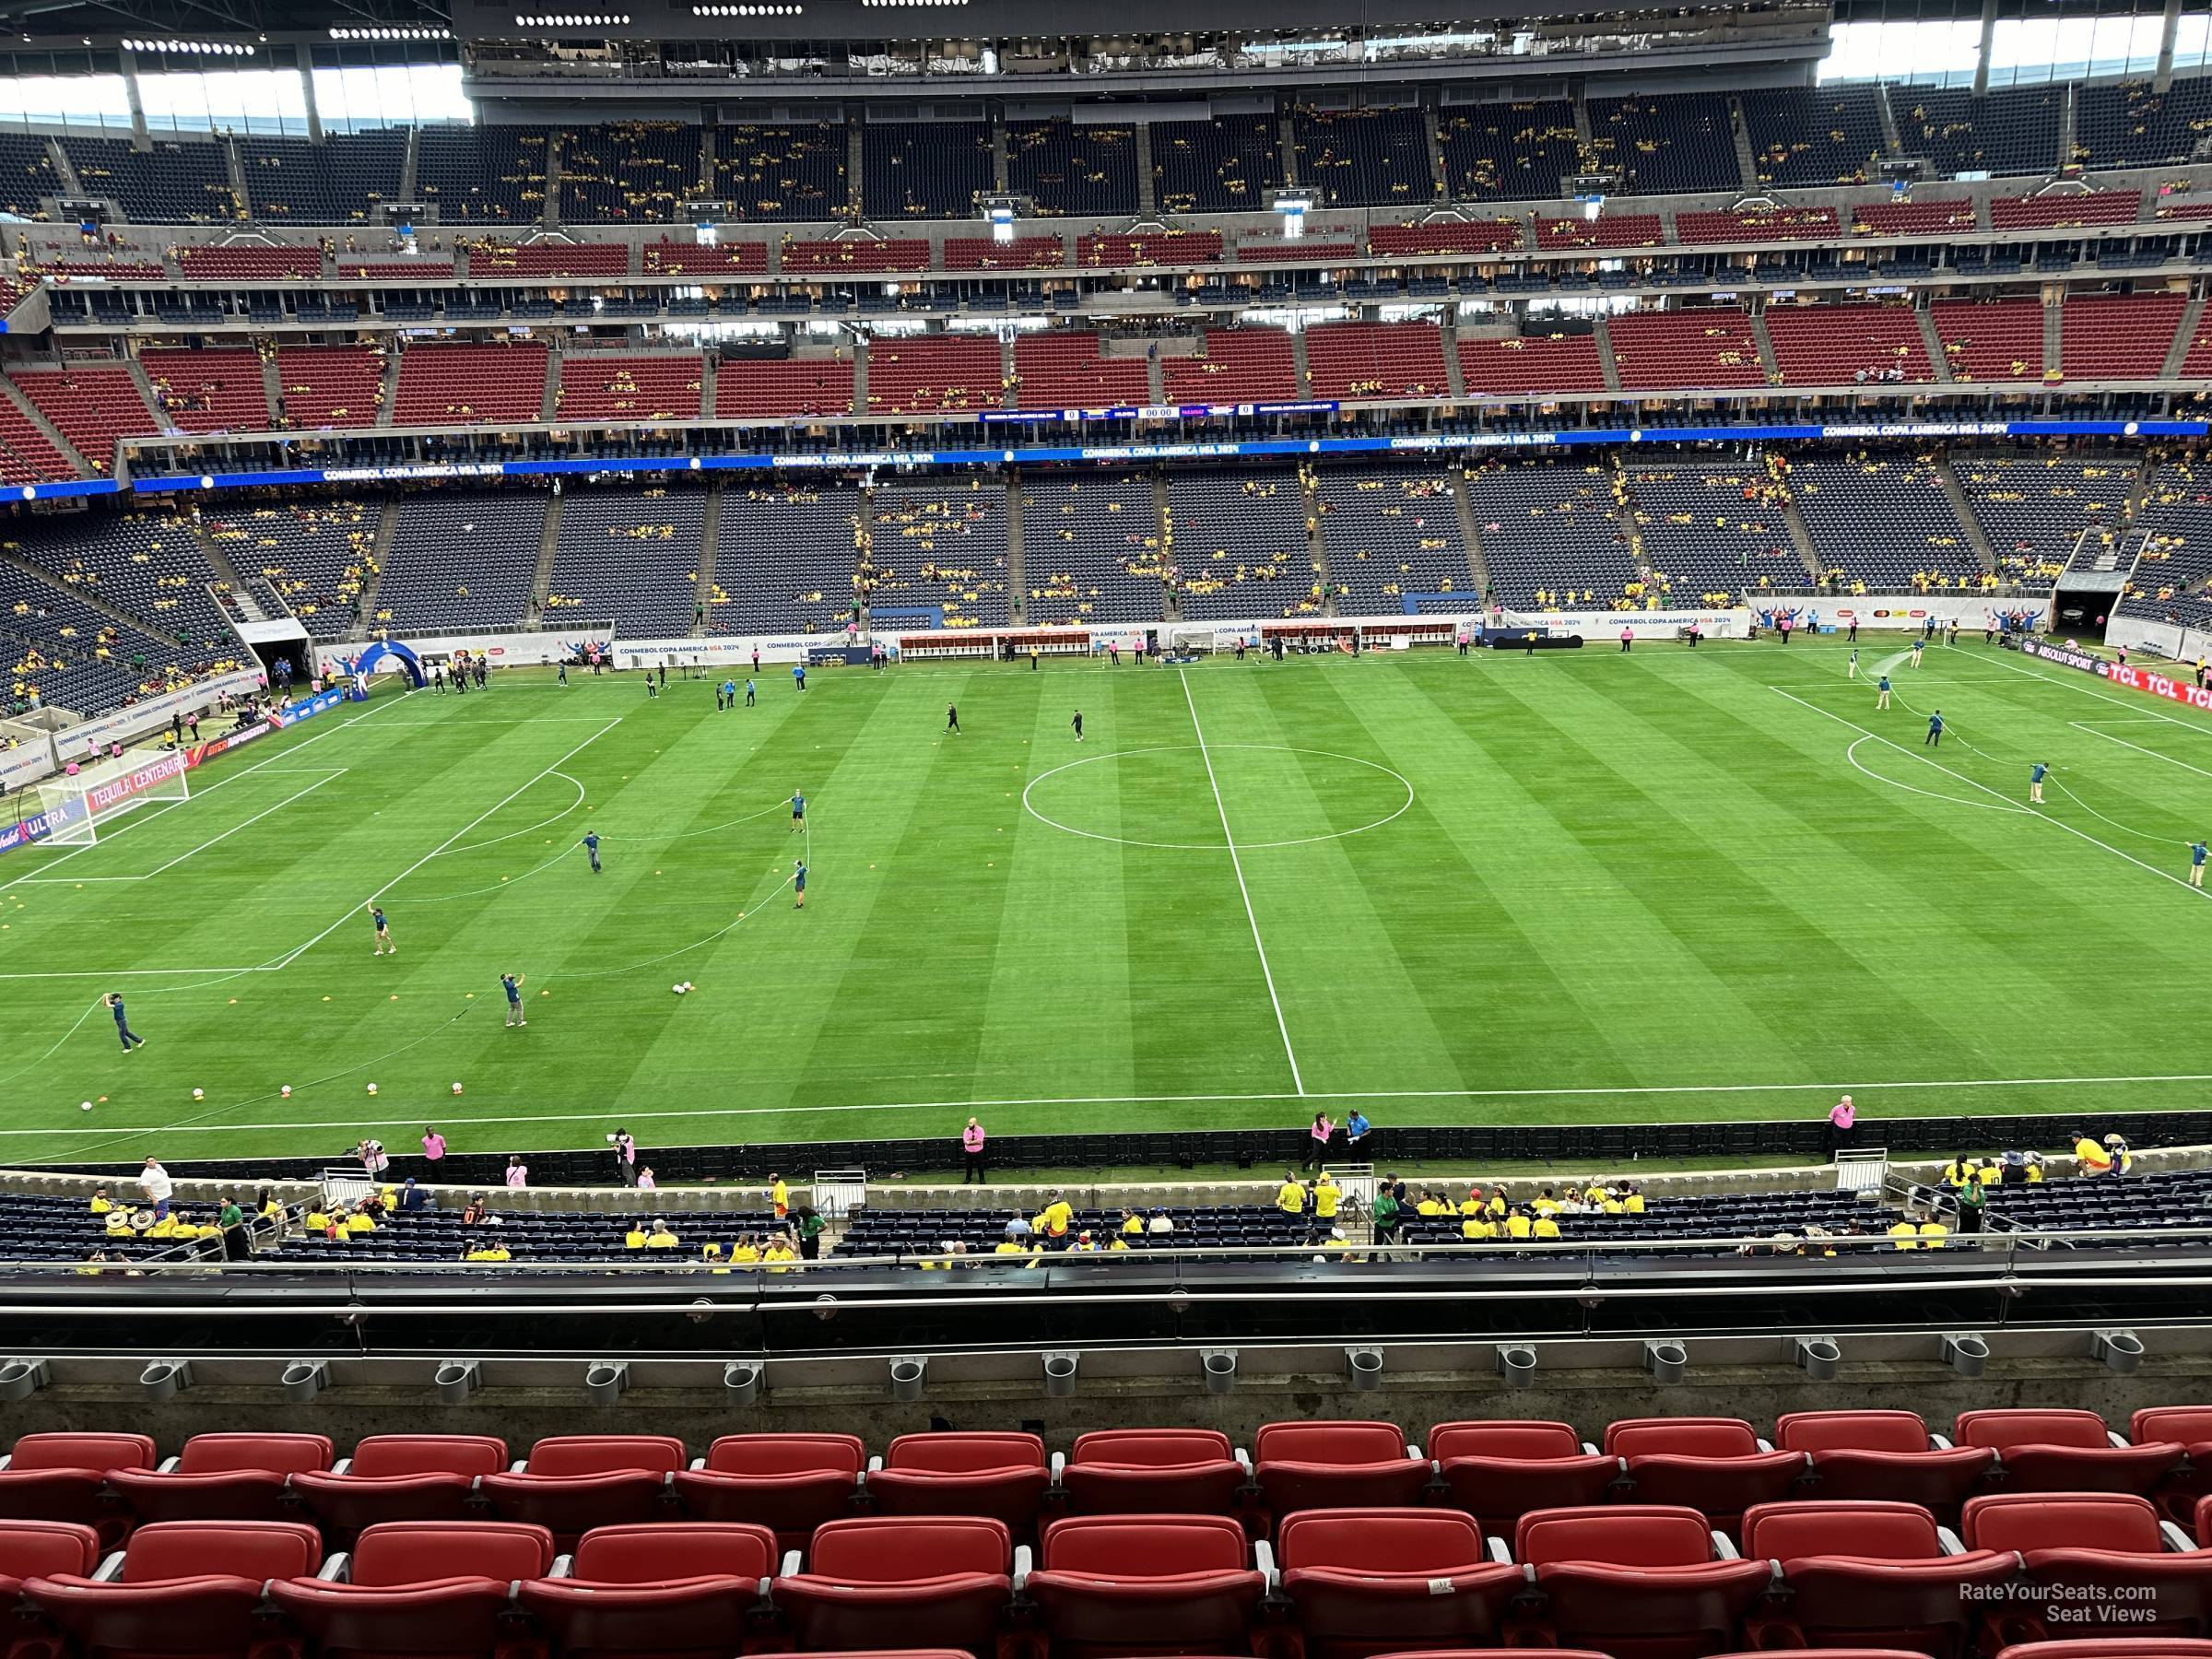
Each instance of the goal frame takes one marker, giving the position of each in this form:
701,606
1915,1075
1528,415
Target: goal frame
75,804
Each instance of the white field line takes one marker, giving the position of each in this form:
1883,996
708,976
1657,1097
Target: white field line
1237,864
598,1114
1972,784
329,775
2135,705
2124,742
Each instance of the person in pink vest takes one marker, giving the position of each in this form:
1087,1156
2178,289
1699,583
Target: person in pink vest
1842,1125
1628,637
1317,1139
972,1150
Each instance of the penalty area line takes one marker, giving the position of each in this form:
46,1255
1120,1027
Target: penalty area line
1617,1091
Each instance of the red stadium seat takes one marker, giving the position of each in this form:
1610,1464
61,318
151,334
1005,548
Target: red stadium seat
1001,1475
1153,1472
574,1482
44,1550
790,1482
65,1477
189,1589
223,1478
2110,1647
417,1587
1864,1572
1523,1654
1637,1581
1715,1466
2084,1549
400,1478
886,1580
1498,1472
2190,1426
2063,1450
1336,1465
1362,1579
1116,1584
681,1588
1884,1455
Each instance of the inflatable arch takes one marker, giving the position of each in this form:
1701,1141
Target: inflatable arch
366,664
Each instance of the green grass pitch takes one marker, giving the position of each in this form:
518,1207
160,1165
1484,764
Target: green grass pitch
1672,885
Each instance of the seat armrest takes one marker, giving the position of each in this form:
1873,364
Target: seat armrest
109,1568
168,1465
337,1569
1722,1550
696,1463
1949,1541
1500,1552
2175,1539
1263,1556
1059,1467
2120,1441
1589,1449
521,1465
343,1467
1022,1568
1764,1444
1940,1442
1413,1452
790,1564
4,1460
564,1565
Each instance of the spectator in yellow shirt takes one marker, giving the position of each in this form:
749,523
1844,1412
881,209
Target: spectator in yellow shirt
100,1205
1544,1226
660,1237
1546,1203
1290,1197
778,1196
1057,1216
745,1252
1132,1222
1632,1201
1472,1204
1906,1235
635,1238
494,1252
1326,1195
1517,1224
1429,1205
1476,1228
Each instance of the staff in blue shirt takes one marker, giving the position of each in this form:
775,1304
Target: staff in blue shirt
1935,736
1356,1131
727,696
512,984
2035,782
131,1038
591,846
1881,692
798,882
798,672
798,812
2196,879
749,693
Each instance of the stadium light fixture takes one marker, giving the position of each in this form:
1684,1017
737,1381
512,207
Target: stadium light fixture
1667,1359
1965,1352
162,1378
303,1380
907,1375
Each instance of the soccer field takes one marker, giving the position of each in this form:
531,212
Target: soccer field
1675,885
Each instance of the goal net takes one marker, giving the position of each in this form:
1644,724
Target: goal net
77,805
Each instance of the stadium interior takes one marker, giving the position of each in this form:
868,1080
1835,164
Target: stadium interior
917,327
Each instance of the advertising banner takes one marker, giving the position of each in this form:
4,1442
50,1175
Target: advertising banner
2134,678
37,826
104,797
321,703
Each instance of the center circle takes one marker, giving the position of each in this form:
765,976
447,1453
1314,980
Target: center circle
1180,771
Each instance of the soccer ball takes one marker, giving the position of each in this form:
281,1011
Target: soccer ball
687,986
84,1106
199,1094
286,1091
372,1088
678,987
456,1089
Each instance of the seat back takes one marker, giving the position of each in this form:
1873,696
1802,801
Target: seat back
1432,1542
271,1454
1143,1546
1871,1531
890,1549
248,1549
955,1454
1851,1431
1628,1534
606,1454
395,1554
653,1554
1150,1448
787,1455
42,1549
70,1451
1531,1441
1681,1437
384,1456
2024,1521
2188,1425
1328,1443
2005,1427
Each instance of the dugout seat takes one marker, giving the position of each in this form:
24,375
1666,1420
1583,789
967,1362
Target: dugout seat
400,1478
1637,1581
1715,1466
223,1478
676,1590
1884,1455
1869,1572
2190,1426
2064,1450
1336,1465
1001,1475
44,1550
2084,1548
1152,1472
1357,1580
1128,1584
1498,1472
186,1590
886,1580
65,1477
574,1482
416,1587
789,1482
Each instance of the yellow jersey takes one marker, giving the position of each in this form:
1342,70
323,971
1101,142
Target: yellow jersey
1290,1198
